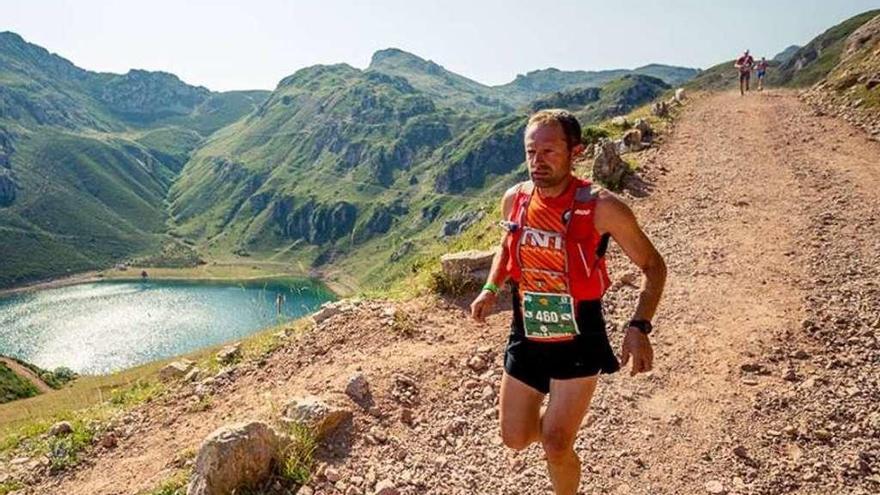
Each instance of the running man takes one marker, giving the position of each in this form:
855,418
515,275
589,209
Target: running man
761,71
558,227
744,64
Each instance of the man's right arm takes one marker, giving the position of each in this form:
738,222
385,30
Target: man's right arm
485,301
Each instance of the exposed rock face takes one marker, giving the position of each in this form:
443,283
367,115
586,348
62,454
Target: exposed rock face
144,95
645,128
498,153
660,109
8,188
6,148
459,223
234,457
575,98
315,222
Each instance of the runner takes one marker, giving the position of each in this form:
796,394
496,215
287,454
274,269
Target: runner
744,64
761,70
553,254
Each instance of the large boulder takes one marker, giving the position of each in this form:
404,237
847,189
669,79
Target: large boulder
645,128
467,266
660,109
608,168
234,457
175,370
315,414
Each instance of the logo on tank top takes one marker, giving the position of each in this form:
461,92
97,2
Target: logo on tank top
542,239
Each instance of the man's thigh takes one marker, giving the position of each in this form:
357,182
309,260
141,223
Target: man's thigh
520,407
569,403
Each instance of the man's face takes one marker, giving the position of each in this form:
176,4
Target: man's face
547,154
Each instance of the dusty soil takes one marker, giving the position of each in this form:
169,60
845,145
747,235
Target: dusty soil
767,355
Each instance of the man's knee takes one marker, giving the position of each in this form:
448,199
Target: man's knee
516,438
557,443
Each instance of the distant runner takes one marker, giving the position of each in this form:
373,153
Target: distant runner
760,71
558,228
744,64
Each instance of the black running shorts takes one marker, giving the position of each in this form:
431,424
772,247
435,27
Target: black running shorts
535,362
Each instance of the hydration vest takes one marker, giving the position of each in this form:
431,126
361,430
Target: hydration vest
582,272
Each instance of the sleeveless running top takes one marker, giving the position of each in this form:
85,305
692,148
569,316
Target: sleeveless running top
554,245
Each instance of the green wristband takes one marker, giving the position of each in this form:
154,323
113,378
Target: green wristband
491,287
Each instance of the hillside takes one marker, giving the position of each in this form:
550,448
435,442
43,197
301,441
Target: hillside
345,170
852,88
815,60
86,158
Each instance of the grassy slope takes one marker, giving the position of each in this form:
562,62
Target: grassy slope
14,387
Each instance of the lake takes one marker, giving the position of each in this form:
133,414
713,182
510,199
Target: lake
101,327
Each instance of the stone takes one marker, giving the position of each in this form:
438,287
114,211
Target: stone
620,121
645,128
229,354
193,375
61,428
477,364
235,456
386,487
608,167
326,311
468,266
108,441
632,140
660,109
312,412
680,95
715,487
358,389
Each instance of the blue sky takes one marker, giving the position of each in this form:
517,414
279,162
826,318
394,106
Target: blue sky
252,45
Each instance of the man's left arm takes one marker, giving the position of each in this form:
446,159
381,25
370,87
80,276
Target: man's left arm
614,217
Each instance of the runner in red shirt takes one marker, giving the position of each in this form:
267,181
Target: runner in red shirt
744,64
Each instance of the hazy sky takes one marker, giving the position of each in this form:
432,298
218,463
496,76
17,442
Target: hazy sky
253,44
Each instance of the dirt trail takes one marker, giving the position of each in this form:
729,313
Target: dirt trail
27,374
767,362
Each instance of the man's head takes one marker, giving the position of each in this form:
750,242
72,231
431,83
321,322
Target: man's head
552,141
746,52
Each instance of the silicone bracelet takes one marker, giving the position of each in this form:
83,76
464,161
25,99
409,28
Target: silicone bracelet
491,287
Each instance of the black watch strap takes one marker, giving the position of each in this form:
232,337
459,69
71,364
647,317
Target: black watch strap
644,326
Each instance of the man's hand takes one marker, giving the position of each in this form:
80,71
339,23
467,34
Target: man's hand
483,305
637,346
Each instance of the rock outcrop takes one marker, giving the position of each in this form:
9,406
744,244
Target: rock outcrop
235,457
8,187
608,167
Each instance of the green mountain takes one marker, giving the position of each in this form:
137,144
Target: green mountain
541,82
785,55
86,158
351,167
445,87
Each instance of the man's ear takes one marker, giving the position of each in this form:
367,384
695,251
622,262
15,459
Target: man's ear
577,150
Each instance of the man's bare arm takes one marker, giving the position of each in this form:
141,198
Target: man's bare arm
614,217
485,301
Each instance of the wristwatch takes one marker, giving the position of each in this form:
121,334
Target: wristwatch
644,326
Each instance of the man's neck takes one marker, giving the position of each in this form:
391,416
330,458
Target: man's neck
553,191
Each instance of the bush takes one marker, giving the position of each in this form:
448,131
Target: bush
592,134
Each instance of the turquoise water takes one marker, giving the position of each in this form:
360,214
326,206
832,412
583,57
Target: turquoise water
101,327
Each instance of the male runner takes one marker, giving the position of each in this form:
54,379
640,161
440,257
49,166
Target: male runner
744,64
553,253
761,71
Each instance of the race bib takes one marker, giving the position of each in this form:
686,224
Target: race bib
549,316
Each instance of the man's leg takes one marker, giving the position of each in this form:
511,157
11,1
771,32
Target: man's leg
520,413
741,85
569,402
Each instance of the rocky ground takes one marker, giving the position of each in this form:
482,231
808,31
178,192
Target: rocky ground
767,376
